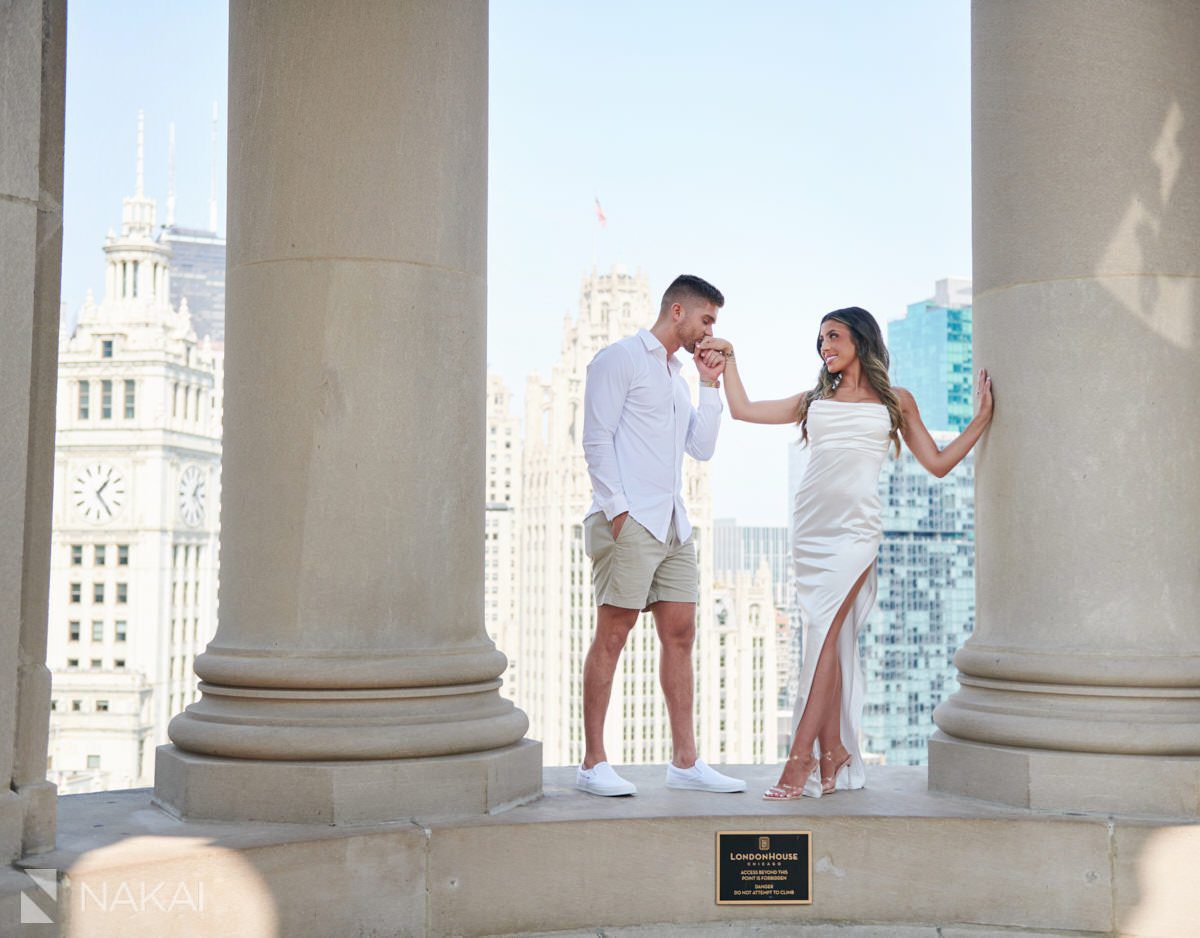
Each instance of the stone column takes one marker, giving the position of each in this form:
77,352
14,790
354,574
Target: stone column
32,100
1081,685
350,677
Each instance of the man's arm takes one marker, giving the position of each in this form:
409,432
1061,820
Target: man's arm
608,378
705,421
704,425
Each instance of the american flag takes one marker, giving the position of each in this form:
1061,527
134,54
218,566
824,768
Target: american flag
600,215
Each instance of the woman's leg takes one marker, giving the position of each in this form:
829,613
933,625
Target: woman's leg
830,733
823,707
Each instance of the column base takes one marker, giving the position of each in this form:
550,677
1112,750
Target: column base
1162,786
39,802
465,785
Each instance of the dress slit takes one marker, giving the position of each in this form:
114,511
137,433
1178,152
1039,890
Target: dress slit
846,651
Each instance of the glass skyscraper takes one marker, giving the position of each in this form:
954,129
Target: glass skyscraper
746,547
931,355
926,604
198,274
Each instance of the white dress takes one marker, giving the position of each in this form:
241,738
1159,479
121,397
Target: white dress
836,531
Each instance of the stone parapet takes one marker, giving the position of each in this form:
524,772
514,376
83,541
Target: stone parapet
893,859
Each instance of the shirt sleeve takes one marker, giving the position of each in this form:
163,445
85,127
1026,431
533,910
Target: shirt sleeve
608,379
704,424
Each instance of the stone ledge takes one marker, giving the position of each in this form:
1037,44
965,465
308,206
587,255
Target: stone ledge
893,859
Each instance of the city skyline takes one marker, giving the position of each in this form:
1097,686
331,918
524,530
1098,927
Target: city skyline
730,153
136,530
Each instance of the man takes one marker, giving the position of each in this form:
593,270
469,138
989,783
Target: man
638,422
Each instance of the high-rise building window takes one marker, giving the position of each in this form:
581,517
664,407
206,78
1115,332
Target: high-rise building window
122,555
76,591
106,348
106,400
102,706
121,629
130,391
73,631
98,631
100,555
118,662
97,592
76,555
85,388
76,705
93,762
122,592
96,664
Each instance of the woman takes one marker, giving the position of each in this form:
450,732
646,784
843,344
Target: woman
850,420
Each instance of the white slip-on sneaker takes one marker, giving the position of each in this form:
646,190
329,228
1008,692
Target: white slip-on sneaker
702,777
602,779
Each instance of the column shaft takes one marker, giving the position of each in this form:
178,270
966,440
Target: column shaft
1087,211
32,101
351,599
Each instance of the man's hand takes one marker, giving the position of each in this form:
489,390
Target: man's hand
708,372
618,522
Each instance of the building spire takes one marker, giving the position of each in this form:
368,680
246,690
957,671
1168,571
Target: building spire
171,174
138,191
137,213
212,178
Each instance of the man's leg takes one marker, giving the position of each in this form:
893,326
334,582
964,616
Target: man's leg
613,625
676,625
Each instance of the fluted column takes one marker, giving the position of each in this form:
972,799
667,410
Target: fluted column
350,677
1081,685
33,47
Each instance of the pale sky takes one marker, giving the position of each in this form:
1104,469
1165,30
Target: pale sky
800,155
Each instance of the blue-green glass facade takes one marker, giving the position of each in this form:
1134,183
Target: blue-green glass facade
926,604
931,356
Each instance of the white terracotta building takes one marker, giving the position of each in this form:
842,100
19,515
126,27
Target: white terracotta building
133,585
503,490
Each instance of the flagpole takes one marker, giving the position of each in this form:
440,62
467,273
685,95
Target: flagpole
601,222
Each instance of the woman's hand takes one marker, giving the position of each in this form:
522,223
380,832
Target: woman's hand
714,351
983,396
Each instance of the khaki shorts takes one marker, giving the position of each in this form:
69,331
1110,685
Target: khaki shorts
637,570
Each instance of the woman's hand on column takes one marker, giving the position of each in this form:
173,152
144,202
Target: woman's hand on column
983,396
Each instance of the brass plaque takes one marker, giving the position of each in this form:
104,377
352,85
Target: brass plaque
764,867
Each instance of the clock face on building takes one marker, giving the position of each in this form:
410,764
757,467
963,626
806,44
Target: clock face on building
191,495
99,492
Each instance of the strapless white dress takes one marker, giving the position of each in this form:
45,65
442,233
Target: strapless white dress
836,532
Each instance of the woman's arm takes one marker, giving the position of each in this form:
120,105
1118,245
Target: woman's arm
921,442
740,405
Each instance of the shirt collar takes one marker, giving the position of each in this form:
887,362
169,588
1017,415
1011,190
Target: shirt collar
657,349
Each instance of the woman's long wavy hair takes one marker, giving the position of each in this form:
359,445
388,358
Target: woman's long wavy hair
872,354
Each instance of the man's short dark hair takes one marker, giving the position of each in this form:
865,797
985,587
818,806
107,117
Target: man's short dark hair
690,287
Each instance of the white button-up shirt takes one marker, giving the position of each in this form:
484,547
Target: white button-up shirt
638,421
